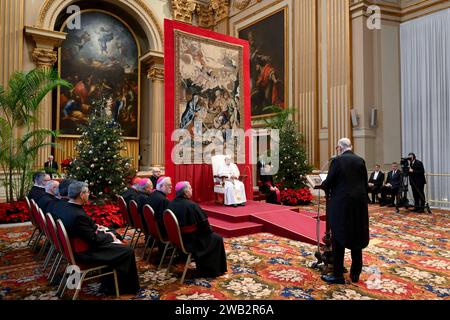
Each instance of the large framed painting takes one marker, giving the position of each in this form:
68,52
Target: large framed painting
207,103
101,60
269,75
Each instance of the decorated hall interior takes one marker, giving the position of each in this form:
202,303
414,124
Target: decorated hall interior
224,150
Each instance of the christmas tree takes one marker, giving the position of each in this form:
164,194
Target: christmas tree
98,160
294,165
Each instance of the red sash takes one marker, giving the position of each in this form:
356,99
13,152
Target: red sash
189,229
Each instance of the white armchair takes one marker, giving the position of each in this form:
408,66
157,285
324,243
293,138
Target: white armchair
219,189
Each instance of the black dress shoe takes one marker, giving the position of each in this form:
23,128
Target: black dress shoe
235,205
333,280
354,277
242,204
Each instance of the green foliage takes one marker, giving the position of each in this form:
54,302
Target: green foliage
99,162
18,107
294,165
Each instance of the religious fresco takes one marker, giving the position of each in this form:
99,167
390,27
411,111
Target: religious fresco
268,61
101,61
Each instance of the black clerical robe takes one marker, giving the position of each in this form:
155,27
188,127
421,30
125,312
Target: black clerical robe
159,202
93,247
348,211
267,183
130,194
206,246
36,193
44,202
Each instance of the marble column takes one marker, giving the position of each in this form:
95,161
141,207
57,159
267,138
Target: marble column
155,73
45,56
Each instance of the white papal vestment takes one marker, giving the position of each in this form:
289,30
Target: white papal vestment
234,189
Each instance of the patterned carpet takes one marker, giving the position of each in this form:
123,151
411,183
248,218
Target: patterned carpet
408,258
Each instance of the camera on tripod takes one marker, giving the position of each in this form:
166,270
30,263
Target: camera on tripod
404,164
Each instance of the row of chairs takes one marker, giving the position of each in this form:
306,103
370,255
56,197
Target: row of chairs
57,239
149,227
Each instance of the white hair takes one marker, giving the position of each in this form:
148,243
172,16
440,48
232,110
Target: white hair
49,187
345,144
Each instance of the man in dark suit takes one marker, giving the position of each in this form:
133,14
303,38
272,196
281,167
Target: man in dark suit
40,179
94,244
51,165
376,181
346,183
392,186
156,173
417,181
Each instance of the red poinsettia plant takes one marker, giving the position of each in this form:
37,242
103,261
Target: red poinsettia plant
66,163
14,212
107,215
295,197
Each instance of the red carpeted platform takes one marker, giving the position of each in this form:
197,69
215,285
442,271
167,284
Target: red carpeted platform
258,217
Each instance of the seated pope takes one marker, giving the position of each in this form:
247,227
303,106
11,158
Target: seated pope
234,189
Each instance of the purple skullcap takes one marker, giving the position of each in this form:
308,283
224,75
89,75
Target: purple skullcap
180,185
143,182
160,182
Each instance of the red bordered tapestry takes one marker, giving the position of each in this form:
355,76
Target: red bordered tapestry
207,105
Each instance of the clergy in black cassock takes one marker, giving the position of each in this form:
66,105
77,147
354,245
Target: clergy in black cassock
132,192
206,246
93,244
348,211
268,187
51,191
158,201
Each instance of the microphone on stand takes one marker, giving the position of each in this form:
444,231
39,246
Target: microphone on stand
317,254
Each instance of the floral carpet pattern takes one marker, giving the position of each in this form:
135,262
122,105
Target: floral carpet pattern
408,258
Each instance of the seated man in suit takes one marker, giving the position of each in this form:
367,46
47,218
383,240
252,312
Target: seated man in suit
392,186
268,187
94,244
51,166
51,193
206,246
376,181
40,179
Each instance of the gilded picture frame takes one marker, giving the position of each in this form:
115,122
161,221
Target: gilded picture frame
117,64
269,54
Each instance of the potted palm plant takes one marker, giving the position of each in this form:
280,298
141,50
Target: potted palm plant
19,103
